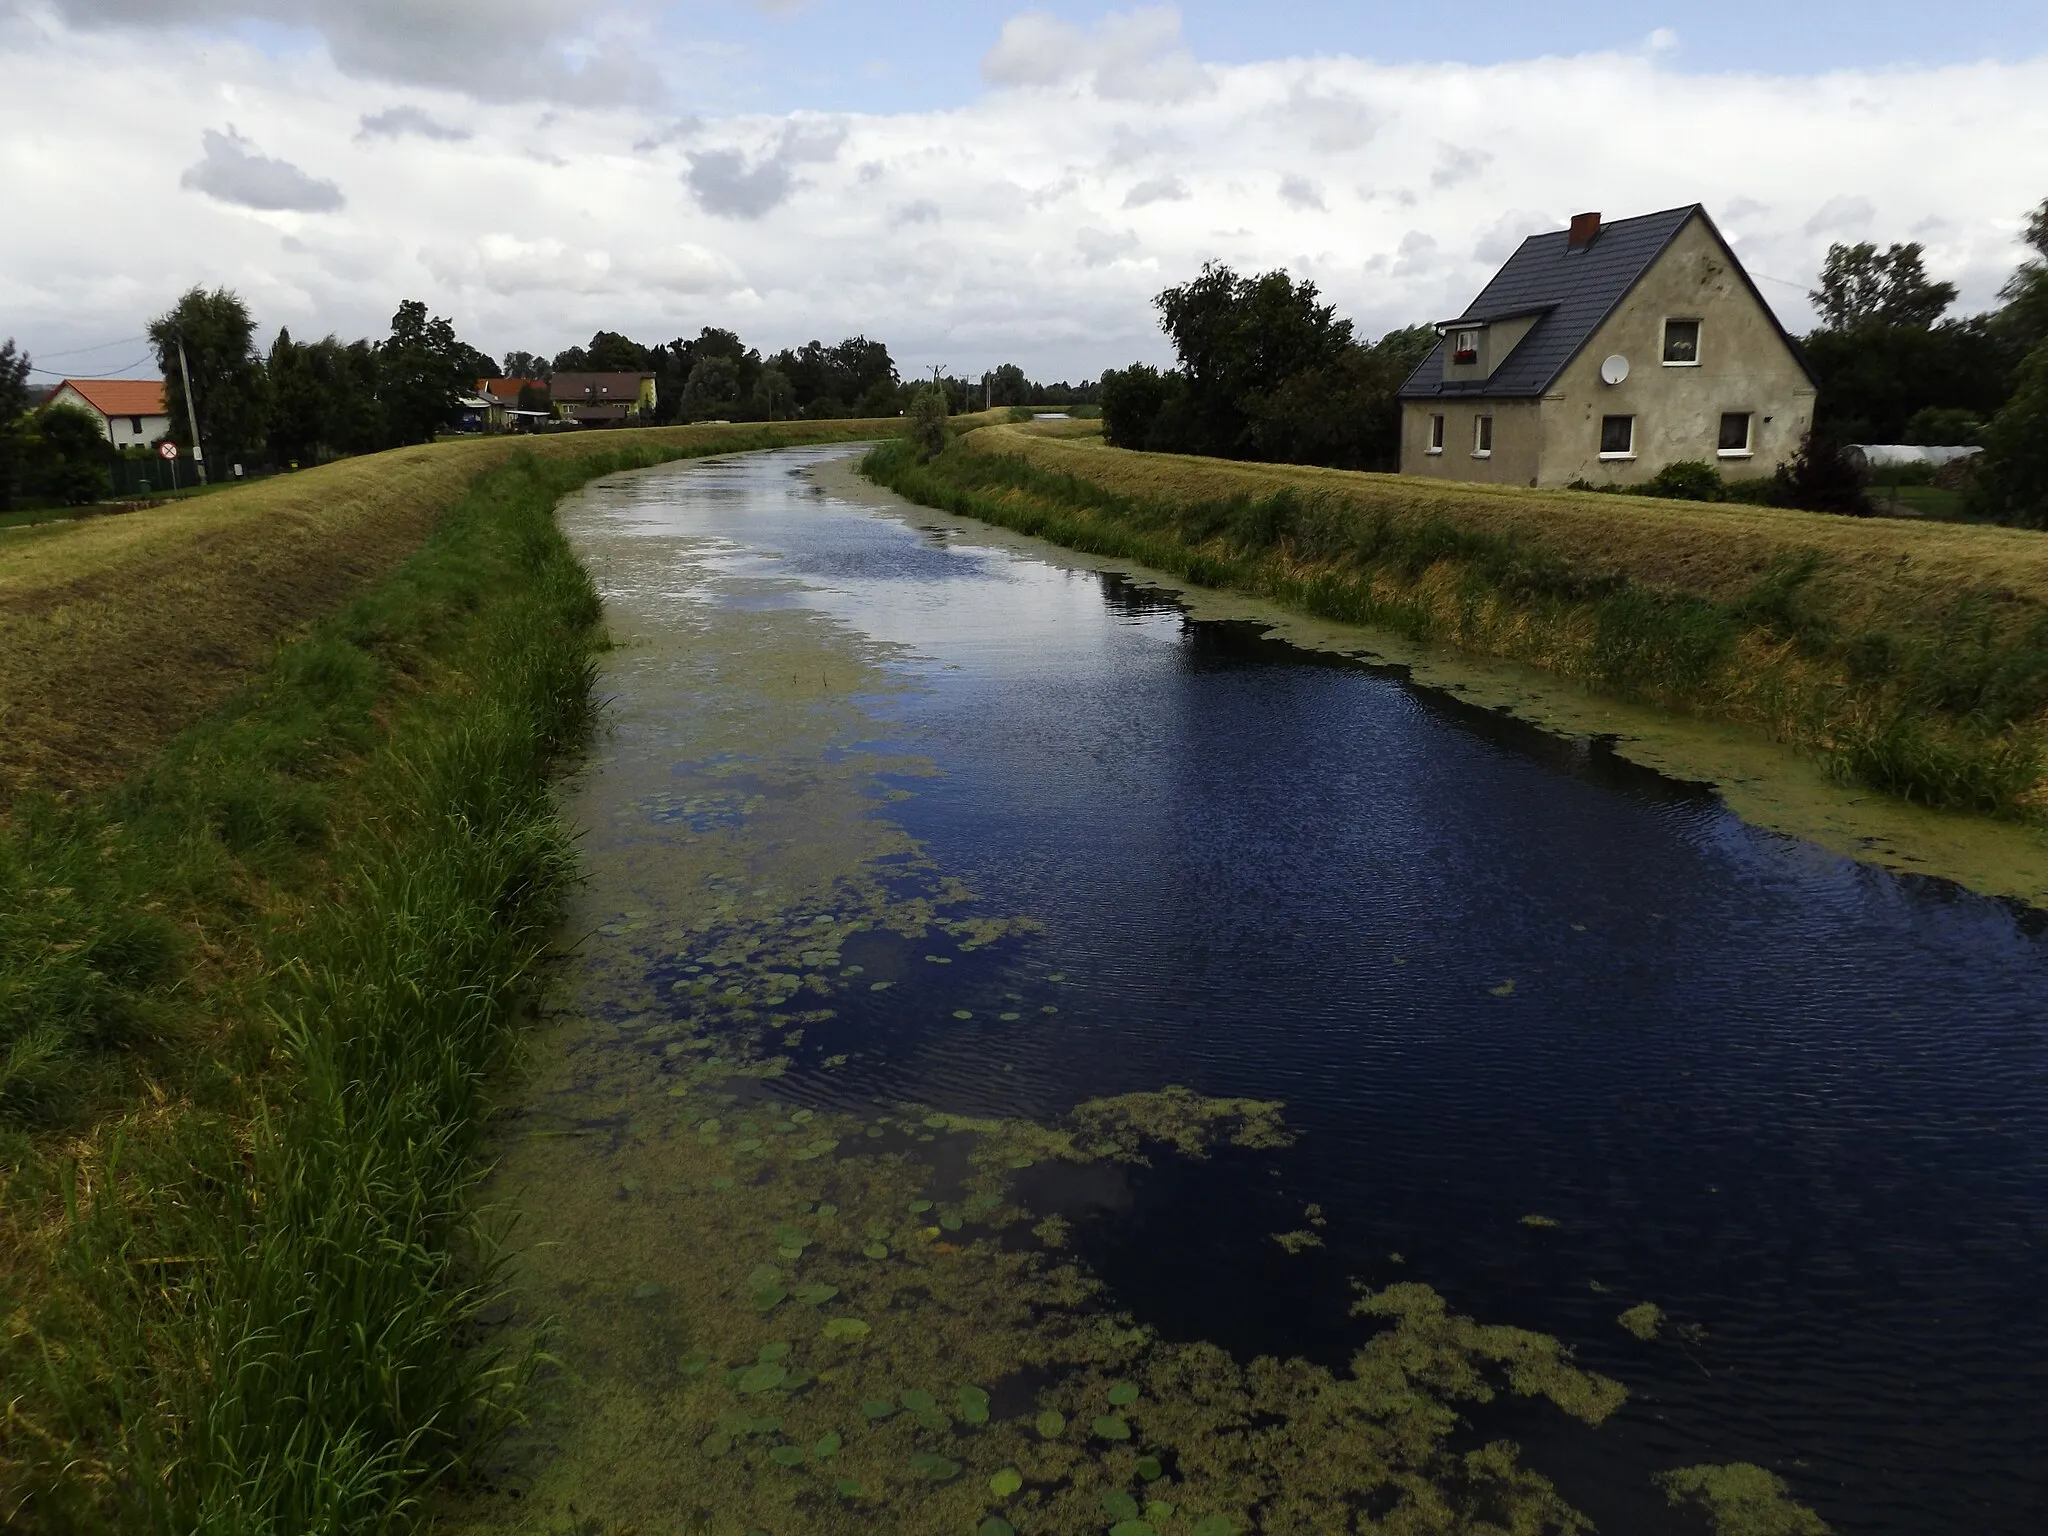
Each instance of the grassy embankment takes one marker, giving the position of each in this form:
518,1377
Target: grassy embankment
1911,657
256,970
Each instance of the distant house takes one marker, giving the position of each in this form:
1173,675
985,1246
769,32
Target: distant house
1604,353
503,395
603,399
131,411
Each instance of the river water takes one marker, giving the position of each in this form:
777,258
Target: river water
1556,1036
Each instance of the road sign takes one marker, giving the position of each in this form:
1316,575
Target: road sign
167,450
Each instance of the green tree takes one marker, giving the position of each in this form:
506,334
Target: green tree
1876,378
14,368
1239,339
2012,479
297,419
1860,285
773,399
66,456
2025,316
421,368
535,397
1008,386
1134,400
712,391
928,422
526,365
228,386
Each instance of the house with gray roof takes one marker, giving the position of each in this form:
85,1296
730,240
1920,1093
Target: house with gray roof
1603,353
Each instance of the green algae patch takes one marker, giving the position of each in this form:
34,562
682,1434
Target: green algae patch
1645,1320
1741,1500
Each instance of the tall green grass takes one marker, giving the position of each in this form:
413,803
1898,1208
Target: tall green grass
305,937
1949,721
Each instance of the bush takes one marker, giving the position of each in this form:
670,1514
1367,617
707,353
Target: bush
1944,427
1687,480
2012,482
1133,400
928,423
1821,478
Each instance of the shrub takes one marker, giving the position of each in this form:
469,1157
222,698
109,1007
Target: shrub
1687,480
2013,479
1132,400
1821,478
928,423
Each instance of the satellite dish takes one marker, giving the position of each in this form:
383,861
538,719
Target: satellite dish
1615,369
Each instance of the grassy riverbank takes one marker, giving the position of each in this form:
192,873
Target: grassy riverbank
1910,658
251,992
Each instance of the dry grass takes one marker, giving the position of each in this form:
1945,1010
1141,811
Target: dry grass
118,632
1874,572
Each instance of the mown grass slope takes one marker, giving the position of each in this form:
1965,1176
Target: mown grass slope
117,632
1913,657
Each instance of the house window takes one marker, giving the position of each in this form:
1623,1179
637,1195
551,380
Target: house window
1465,346
1482,437
1682,343
135,425
1436,434
1617,437
1735,434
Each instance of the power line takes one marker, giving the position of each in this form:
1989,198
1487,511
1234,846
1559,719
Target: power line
118,373
76,351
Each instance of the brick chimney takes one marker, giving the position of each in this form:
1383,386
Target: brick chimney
1585,228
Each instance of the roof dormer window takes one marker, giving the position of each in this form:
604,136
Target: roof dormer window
1464,346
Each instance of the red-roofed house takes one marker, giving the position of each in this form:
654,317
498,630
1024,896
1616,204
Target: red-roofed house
131,411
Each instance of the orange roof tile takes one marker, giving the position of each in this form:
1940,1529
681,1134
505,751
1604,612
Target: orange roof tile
121,397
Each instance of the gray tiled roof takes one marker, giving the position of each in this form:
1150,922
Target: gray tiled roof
1577,290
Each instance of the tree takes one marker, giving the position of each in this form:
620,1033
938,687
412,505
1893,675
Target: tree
1859,285
535,397
1820,478
713,390
1874,379
2012,482
421,368
526,365
14,369
1132,401
1238,340
2024,319
1008,386
928,422
66,457
227,380
773,399
609,352
297,420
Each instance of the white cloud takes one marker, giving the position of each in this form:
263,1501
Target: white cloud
545,226
1302,195
1135,55
231,170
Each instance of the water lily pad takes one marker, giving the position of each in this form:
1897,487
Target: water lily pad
1051,1424
1006,1482
880,986
714,1445
803,1116
1132,1528
815,1295
951,1222
811,1151
919,1207
935,1122
917,1400
1150,1469
1057,976
723,1181
985,1202
629,1183
792,1237
763,1378
876,1250
940,1469
1534,1220
787,1456
876,1407
1215,1525
769,1297
695,1365
1109,1426
1122,1394
750,1145
963,1013
828,1446
1157,1510
1048,1008
934,1419
770,1353
846,1487
995,1525
1119,1506
846,1329
1020,1162
647,1290
973,1405
827,1208
1009,1018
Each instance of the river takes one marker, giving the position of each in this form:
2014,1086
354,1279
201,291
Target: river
899,818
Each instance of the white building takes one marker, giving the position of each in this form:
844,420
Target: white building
131,411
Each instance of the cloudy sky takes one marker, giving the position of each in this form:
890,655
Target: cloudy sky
971,182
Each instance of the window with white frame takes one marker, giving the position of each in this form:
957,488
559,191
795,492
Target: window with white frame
1735,431
1436,434
1681,343
1617,437
1464,346
1482,437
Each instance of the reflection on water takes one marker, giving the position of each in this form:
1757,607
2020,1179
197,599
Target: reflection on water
1558,1036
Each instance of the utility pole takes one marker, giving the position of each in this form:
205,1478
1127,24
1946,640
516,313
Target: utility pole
191,411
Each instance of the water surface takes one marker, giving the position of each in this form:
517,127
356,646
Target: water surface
1558,1035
